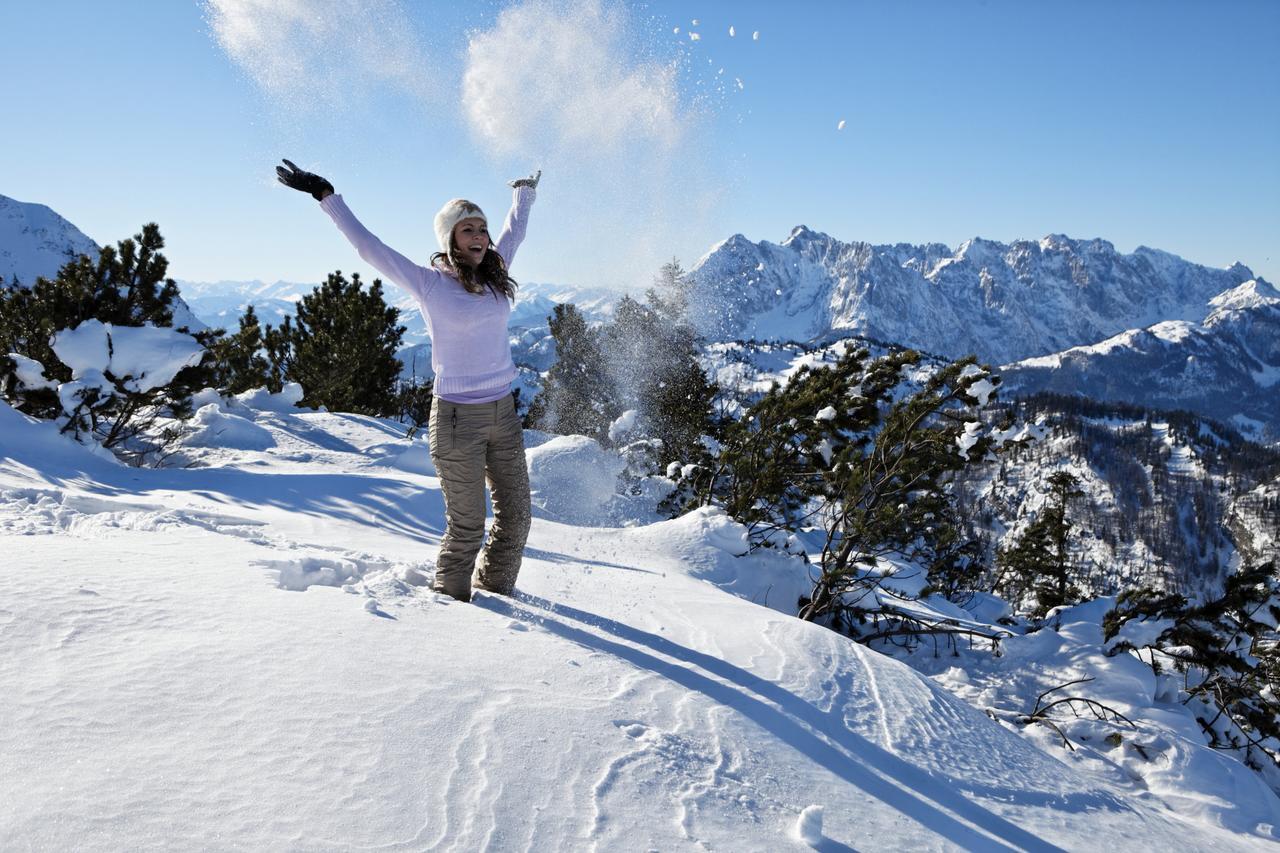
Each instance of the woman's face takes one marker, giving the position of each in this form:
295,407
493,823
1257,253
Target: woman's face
471,240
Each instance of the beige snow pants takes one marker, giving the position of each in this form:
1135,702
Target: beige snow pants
472,443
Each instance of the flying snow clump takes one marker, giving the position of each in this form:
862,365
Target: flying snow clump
809,826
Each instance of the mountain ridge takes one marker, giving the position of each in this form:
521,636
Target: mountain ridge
1001,301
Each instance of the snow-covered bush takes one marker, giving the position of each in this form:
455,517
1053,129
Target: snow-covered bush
1219,658
94,349
862,451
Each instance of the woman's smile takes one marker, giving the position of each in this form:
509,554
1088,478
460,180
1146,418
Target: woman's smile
471,237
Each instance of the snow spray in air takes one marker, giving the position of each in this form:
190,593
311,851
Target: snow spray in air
583,89
307,55
593,95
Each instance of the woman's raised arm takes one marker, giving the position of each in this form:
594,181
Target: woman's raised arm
513,229
412,277
400,270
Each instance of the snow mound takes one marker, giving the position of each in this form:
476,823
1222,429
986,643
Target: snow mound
809,824
416,459
572,479
285,402
216,428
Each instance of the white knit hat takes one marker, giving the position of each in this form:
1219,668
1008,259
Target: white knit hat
450,215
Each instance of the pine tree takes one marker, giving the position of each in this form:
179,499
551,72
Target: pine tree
679,406
278,343
343,347
652,362
576,397
846,449
413,403
671,291
1226,650
1040,561
240,363
890,490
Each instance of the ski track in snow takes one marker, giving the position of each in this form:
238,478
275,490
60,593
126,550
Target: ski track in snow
613,703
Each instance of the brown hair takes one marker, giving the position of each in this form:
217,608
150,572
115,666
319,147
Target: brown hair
490,273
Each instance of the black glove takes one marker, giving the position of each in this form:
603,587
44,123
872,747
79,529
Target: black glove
306,182
531,181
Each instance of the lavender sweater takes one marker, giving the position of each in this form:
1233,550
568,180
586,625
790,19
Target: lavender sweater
470,352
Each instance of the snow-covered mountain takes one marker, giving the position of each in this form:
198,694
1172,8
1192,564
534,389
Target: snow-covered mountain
35,241
1003,302
1226,366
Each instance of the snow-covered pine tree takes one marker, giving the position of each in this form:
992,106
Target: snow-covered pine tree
670,293
1223,657
861,453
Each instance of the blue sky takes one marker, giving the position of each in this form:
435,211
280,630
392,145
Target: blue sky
1153,123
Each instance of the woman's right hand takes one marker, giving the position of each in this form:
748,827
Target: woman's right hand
531,181
306,182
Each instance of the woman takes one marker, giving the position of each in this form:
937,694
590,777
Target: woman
465,295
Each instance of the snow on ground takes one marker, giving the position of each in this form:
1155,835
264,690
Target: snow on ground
244,653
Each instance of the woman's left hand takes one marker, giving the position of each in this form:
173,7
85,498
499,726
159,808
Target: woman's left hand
531,181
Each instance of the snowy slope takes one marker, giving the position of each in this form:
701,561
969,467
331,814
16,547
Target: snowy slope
240,653
1003,302
1226,367
35,241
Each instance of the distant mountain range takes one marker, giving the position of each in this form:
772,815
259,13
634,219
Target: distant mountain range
1063,315
1003,302
1173,333
1227,365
